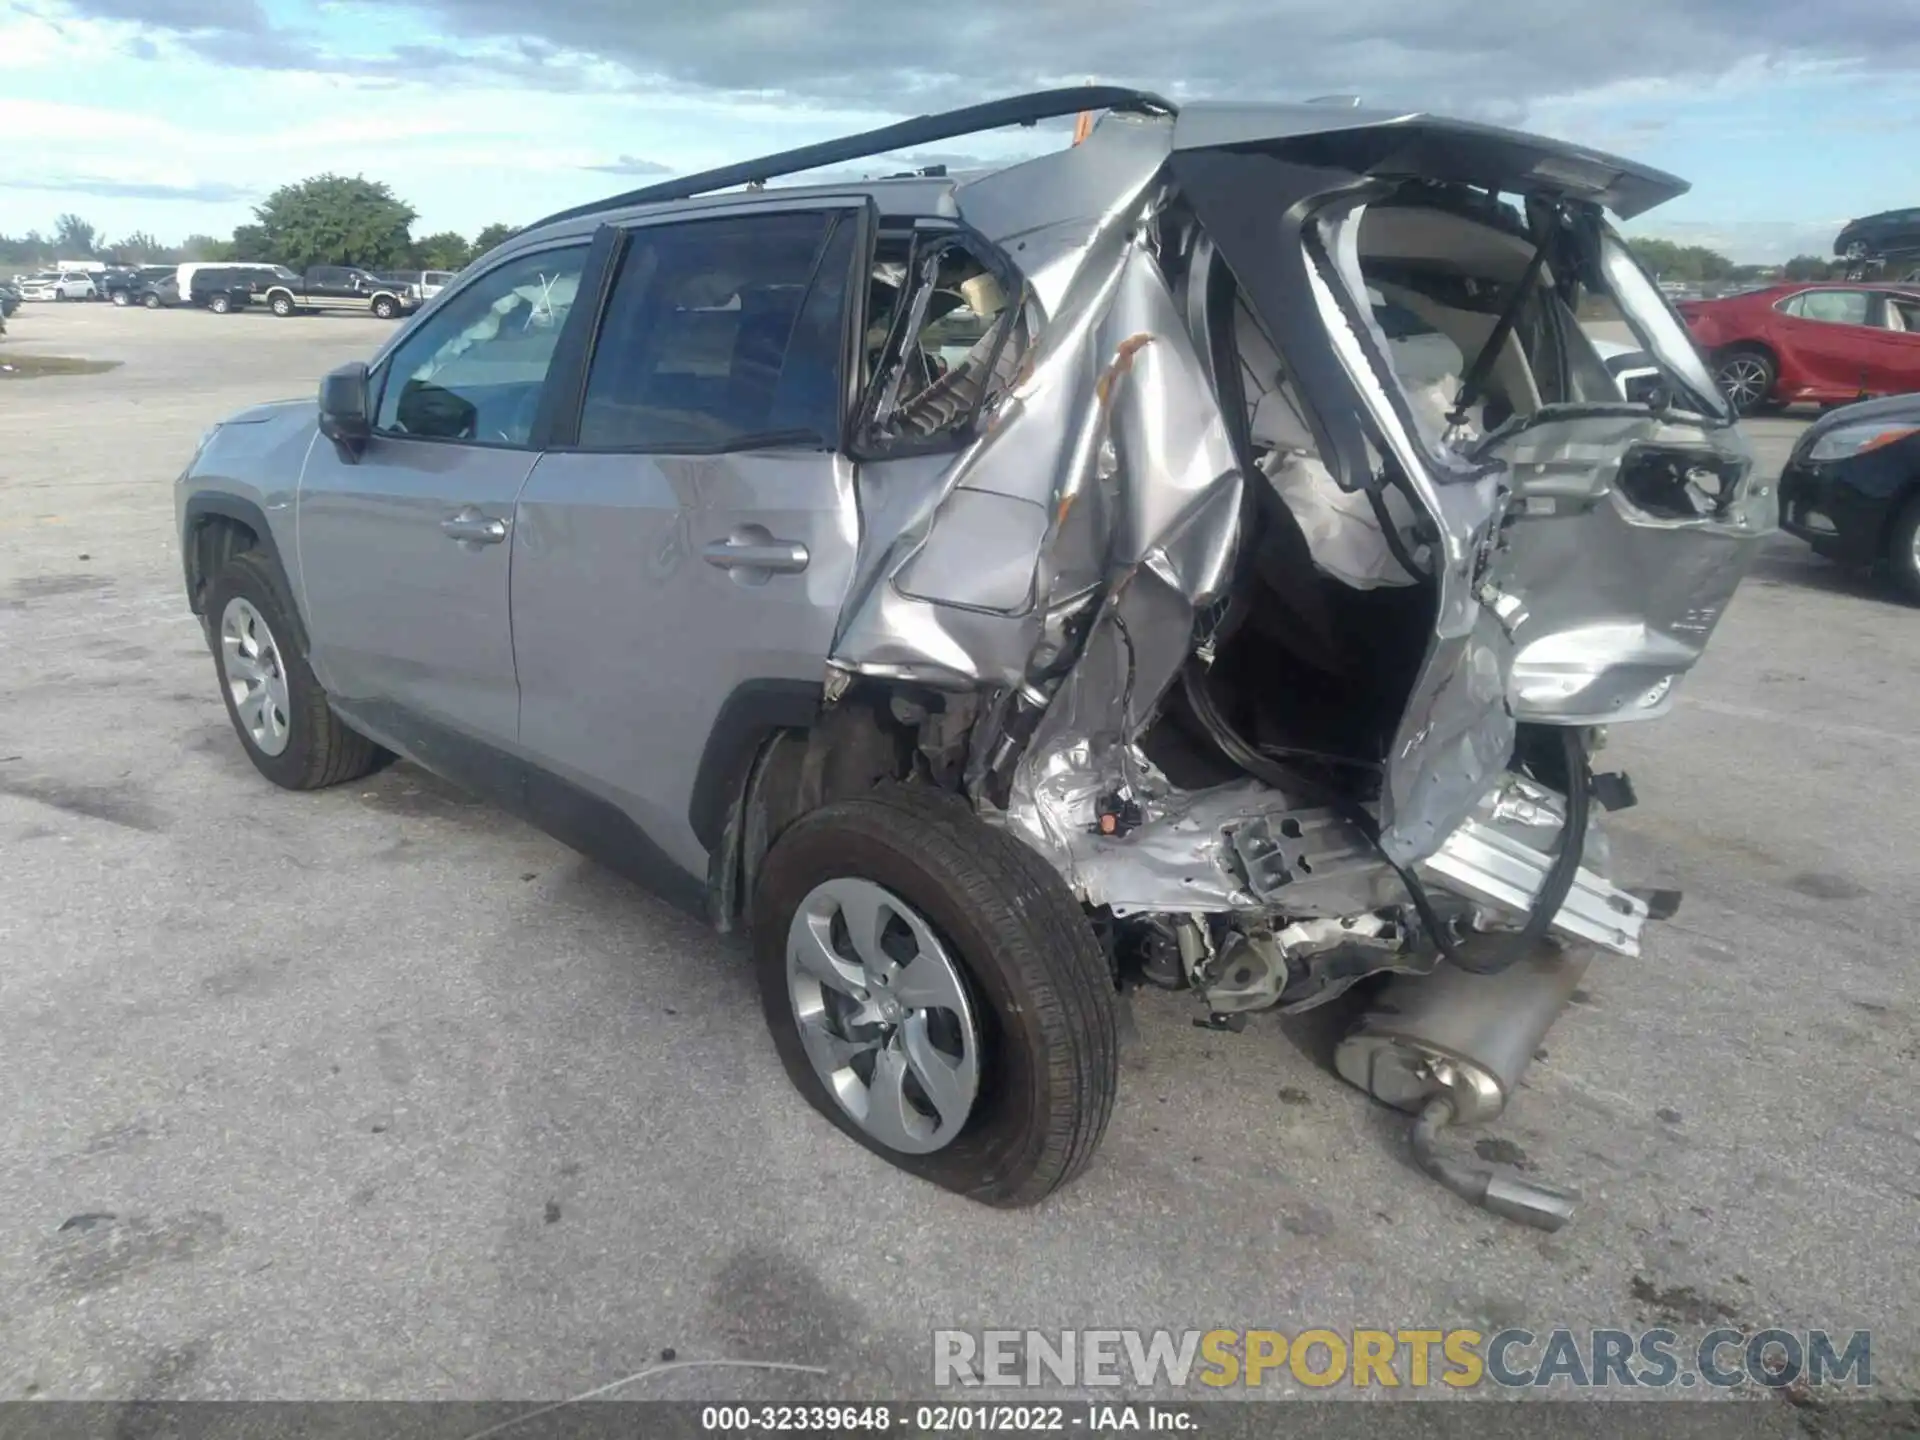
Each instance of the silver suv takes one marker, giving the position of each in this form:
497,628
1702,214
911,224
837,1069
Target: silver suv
1204,556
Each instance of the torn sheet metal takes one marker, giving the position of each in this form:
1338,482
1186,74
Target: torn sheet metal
1620,565
1116,438
1567,586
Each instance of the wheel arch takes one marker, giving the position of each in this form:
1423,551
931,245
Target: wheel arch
1904,499
1749,345
217,525
777,751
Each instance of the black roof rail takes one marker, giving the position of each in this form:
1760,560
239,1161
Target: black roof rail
922,130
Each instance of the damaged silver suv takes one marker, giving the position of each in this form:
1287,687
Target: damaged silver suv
1205,556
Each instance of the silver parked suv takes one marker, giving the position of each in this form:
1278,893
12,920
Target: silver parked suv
1204,556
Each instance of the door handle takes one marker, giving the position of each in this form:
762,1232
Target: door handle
473,528
778,557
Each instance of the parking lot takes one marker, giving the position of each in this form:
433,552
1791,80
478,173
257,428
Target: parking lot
373,1092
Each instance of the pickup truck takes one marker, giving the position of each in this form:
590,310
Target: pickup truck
342,287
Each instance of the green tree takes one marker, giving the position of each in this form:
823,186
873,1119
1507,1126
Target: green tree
1807,267
1671,261
493,235
28,251
136,249
334,220
74,237
447,250
205,247
250,242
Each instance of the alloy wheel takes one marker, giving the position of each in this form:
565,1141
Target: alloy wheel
883,1014
256,680
1744,381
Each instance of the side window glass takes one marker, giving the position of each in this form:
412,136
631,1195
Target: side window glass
723,334
1835,307
958,337
475,369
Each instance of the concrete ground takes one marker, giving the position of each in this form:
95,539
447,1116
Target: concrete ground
374,1092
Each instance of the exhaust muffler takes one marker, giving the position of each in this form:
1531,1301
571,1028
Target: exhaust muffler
1451,1047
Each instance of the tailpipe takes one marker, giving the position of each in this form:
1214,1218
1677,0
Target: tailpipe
1451,1048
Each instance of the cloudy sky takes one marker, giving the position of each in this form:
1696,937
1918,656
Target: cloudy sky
174,116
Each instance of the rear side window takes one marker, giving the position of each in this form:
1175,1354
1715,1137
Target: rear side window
724,334
1833,307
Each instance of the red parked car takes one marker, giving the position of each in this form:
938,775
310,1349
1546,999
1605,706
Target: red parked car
1827,344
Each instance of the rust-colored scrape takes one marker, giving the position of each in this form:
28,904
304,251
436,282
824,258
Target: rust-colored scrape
1122,363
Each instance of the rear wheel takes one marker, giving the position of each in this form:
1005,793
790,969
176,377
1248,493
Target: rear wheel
1746,376
935,991
220,304
385,308
121,297
152,302
1903,551
277,707
281,305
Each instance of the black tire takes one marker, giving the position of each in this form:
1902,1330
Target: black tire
219,304
1746,375
384,308
1044,991
321,750
281,305
1903,541
152,302
121,297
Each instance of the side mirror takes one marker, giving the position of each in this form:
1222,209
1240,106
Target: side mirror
343,406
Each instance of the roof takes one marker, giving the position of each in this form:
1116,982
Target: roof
1373,142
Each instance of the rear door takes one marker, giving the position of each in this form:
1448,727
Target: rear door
404,548
1899,317
1833,335
691,534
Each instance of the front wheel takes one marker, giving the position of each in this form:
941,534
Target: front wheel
152,302
1903,551
219,304
120,297
935,991
1746,377
277,707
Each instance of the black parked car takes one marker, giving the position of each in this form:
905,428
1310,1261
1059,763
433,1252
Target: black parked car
1852,488
221,290
156,292
126,287
1891,232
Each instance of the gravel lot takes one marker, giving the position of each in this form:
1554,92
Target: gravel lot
390,1096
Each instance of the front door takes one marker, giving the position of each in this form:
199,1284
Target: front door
698,533
405,548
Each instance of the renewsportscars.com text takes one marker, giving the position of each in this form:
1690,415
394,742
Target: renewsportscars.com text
1411,1358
